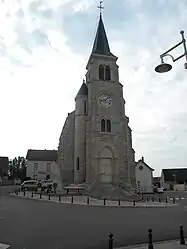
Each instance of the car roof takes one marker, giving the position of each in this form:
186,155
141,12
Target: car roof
31,181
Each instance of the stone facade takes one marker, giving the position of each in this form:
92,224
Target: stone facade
96,141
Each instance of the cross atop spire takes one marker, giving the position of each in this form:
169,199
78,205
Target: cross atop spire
100,7
101,45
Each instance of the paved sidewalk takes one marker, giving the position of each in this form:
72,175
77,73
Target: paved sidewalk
173,244
82,200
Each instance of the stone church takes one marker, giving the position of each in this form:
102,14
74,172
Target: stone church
95,145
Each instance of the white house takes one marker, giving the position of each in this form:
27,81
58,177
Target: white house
144,176
42,165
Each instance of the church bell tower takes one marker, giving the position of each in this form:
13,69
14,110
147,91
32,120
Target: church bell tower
101,58
107,126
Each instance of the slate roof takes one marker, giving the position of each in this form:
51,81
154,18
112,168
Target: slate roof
101,45
41,155
176,174
83,90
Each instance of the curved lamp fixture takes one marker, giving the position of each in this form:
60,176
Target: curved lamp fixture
165,67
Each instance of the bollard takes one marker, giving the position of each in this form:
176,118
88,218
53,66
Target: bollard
182,241
153,199
166,199
134,203
110,241
119,202
159,199
32,194
173,200
142,198
59,198
24,192
88,200
40,195
147,199
72,199
104,202
49,197
150,239
67,191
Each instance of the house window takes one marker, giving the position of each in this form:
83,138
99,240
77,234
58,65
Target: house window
102,125
107,73
101,72
35,167
48,167
141,167
77,163
35,170
108,125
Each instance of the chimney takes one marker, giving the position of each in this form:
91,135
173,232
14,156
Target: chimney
142,159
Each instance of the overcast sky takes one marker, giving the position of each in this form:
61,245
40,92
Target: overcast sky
44,48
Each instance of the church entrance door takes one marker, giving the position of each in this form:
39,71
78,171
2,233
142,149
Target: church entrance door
105,167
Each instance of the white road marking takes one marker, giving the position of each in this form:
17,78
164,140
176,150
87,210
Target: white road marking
4,246
182,198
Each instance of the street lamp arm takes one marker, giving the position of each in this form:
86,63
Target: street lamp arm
178,44
165,67
179,57
173,59
164,55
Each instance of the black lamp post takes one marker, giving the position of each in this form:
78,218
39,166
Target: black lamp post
165,67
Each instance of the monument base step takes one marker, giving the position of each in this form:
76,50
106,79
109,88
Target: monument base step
112,192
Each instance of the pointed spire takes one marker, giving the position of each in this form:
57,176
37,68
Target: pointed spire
101,45
83,89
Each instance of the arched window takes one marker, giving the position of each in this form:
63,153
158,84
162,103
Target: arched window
107,73
101,72
85,107
77,163
108,125
102,125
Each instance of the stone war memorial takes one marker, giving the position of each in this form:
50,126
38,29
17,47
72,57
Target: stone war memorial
95,147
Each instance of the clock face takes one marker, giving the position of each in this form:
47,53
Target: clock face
105,100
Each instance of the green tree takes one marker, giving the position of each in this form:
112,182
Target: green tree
17,167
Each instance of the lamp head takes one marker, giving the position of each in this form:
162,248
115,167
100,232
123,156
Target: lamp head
163,68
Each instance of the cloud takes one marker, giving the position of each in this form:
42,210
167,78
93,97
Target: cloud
44,48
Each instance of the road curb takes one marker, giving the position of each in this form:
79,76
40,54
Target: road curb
163,242
94,205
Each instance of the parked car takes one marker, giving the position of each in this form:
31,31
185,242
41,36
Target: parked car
17,181
29,185
160,190
46,183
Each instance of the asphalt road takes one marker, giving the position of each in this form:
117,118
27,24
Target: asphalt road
33,224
